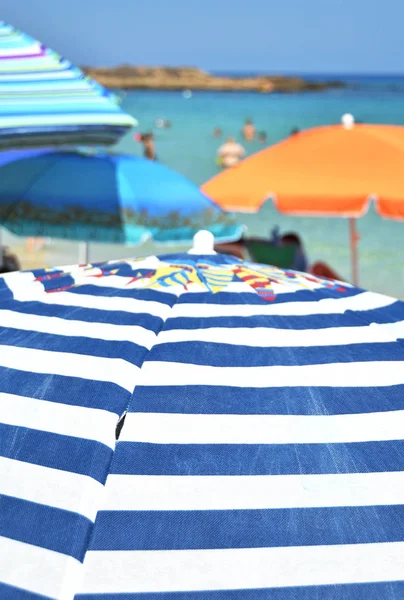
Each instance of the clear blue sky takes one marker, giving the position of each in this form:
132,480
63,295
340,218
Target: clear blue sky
323,36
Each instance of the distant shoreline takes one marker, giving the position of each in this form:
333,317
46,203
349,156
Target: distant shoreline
189,78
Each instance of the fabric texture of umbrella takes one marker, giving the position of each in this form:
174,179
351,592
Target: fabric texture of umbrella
326,171
261,455
105,198
46,101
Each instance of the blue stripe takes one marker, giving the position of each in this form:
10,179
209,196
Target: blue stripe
42,526
204,399
136,294
90,315
62,452
228,355
360,591
189,259
128,351
44,135
5,292
67,390
220,529
9,592
387,314
239,298
132,458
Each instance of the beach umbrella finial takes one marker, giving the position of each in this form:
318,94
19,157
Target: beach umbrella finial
348,121
204,243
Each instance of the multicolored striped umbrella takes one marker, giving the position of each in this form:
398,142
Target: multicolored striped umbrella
261,455
46,101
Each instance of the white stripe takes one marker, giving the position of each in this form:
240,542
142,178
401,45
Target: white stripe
117,282
63,419
52,487
33,48
167,428
25,289
34,77
145,492
81,87
360,302
266,337
19,282
71,328
101,118
194,570
96,368
359,374
38,570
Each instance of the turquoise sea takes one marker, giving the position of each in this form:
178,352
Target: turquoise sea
189,147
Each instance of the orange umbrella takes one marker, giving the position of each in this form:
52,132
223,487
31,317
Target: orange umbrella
326,171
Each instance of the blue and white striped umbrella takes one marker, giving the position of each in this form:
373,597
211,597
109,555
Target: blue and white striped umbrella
262,453
46,101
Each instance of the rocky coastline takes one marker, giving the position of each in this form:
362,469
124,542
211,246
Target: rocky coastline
190,78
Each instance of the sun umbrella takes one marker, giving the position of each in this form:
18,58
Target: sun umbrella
12,155
262,451
106,198
46,101
330,171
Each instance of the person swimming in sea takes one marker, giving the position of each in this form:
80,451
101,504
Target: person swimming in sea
262,137
149,150
249,131
163,124
230,153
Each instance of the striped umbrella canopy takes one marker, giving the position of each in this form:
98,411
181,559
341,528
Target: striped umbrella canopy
260,449
46,101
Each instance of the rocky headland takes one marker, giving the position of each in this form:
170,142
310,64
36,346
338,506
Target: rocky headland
190,78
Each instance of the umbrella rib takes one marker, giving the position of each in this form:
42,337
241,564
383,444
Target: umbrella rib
122,416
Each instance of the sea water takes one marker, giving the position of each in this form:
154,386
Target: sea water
190,147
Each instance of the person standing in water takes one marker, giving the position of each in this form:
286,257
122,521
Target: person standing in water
249,131
149,150
230,153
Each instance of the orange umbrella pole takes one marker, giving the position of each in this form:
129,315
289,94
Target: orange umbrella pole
354,251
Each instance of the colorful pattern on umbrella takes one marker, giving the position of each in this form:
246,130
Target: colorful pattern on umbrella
262,452
260,282
46,101
199,276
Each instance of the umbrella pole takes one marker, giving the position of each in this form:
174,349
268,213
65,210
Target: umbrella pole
354,239
84,253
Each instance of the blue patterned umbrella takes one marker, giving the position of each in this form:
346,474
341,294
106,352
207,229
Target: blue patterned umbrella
46,101
105,198
261,455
